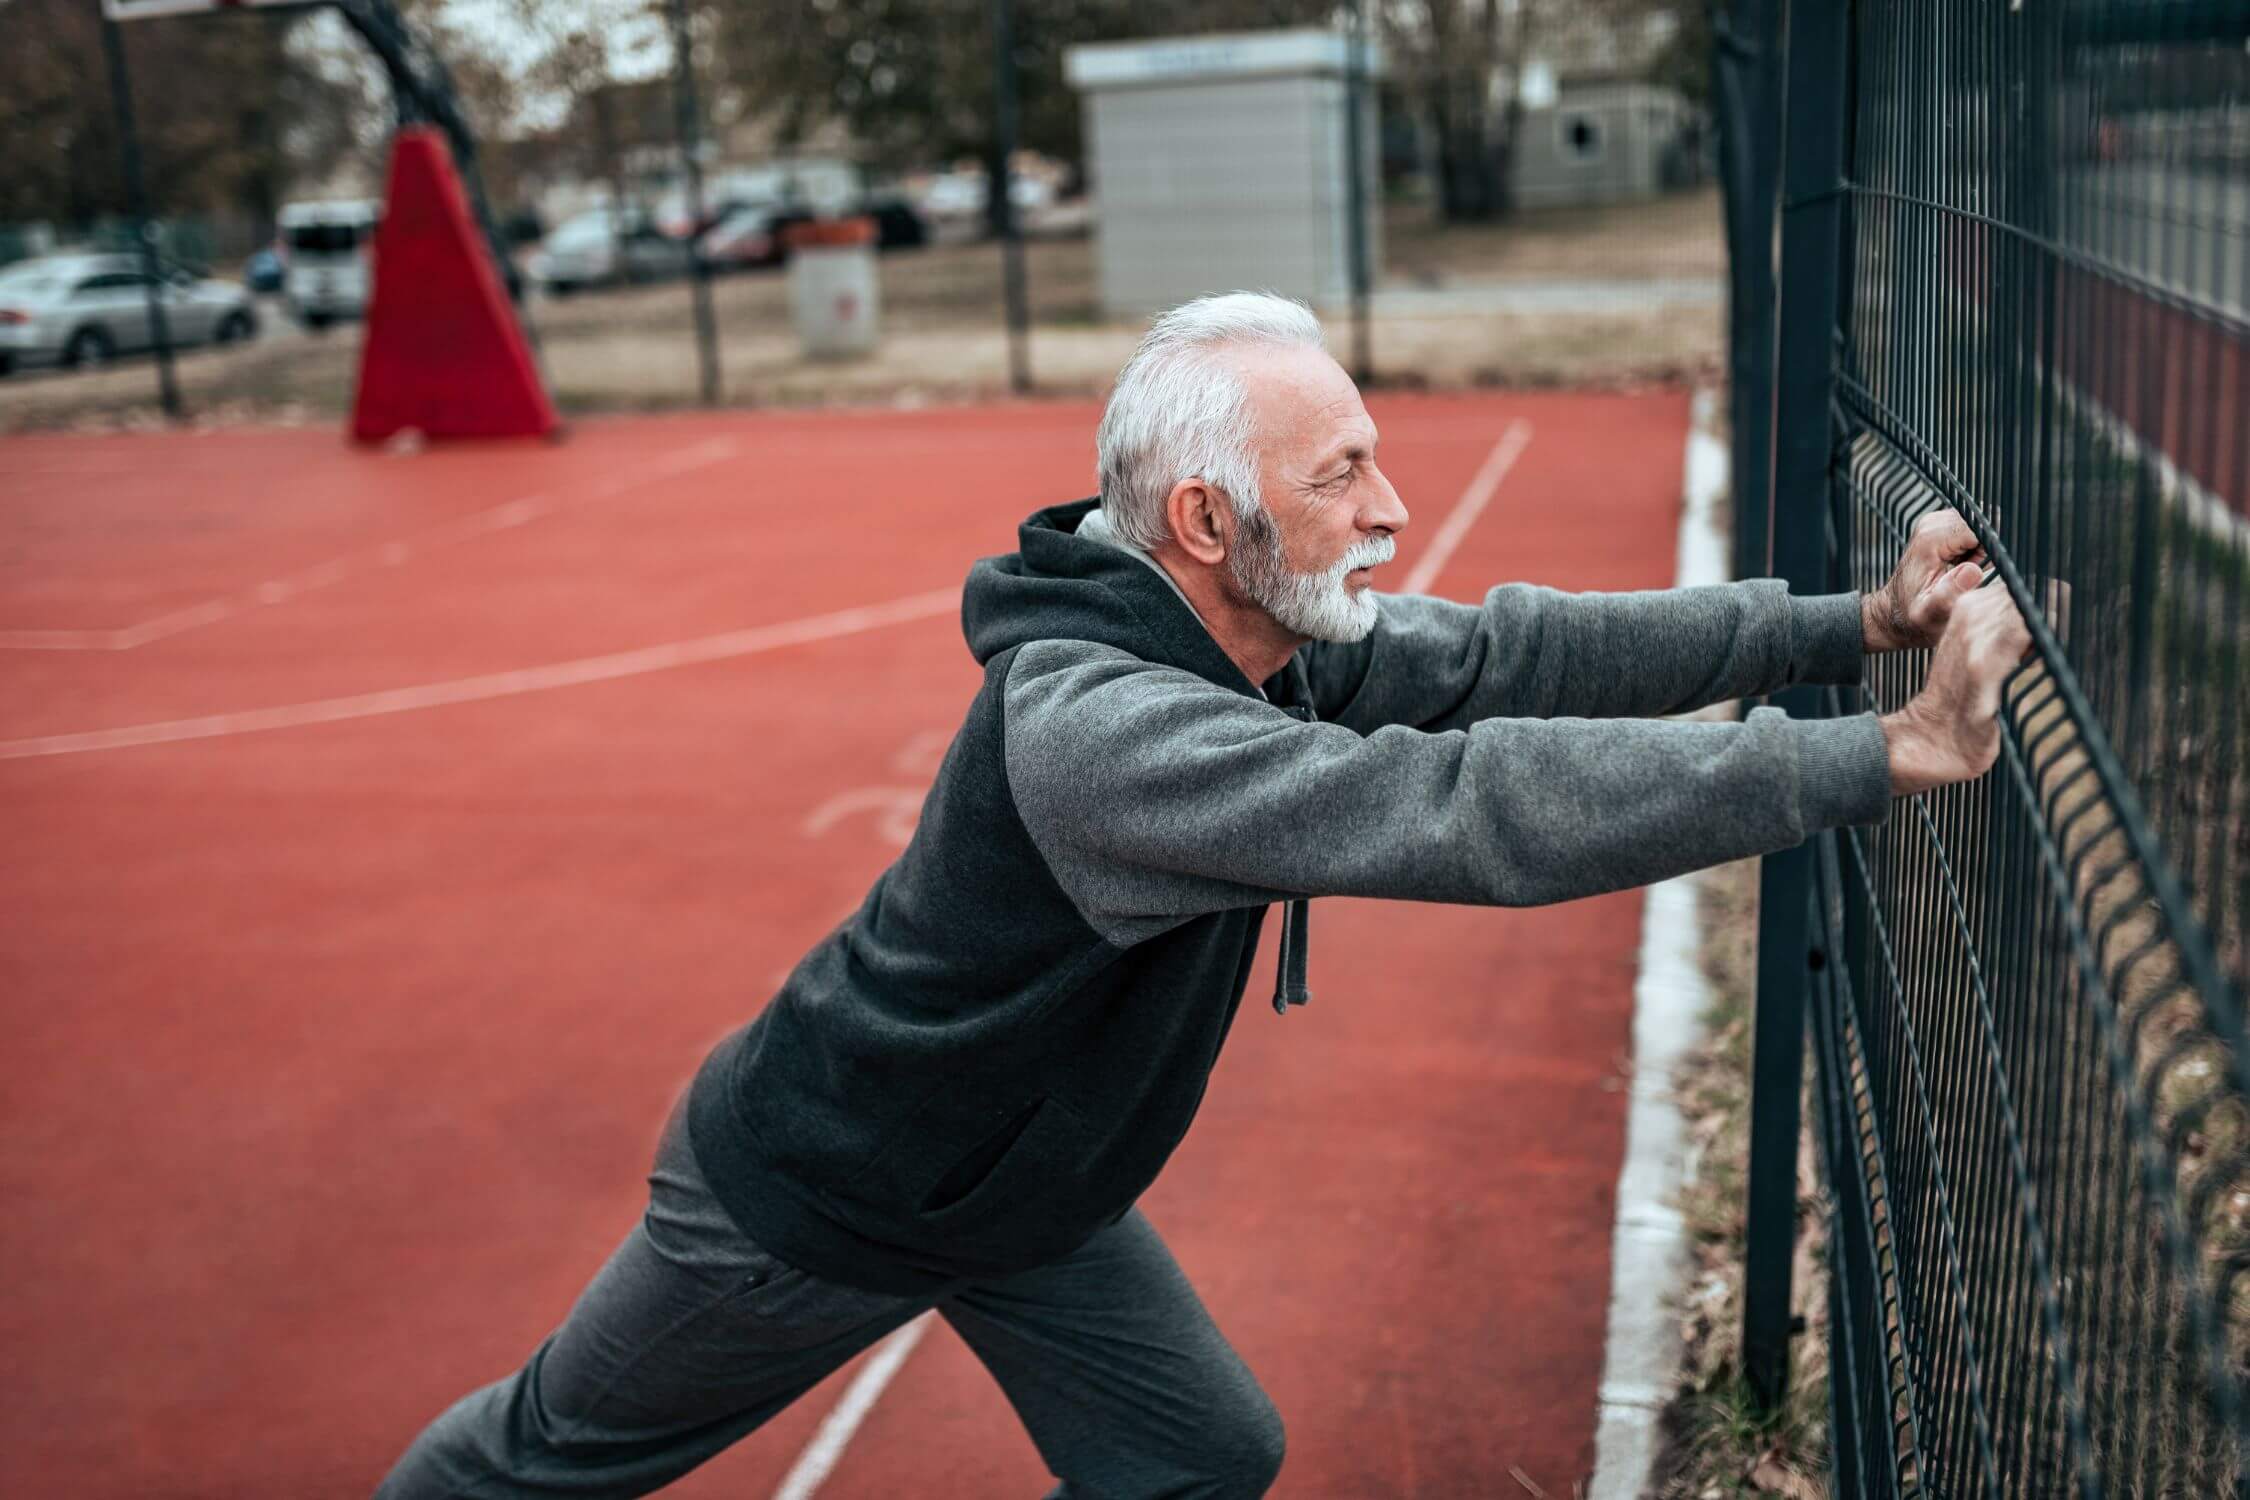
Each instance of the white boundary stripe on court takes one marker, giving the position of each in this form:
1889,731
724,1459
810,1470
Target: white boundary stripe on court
389,554
497,684
1648,1247
819,1458
1482,487
827,1446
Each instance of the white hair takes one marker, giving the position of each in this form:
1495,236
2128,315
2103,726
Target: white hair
1177,412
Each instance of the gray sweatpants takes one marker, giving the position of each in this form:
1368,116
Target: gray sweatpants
692,1336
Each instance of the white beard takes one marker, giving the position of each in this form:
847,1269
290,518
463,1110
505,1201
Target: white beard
1317,605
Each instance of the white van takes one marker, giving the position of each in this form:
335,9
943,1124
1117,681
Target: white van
327,252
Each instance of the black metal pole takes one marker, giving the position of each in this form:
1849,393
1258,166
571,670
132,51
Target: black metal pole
422,89
690,125
121,95
1791,947
1355,75
1001,178
1746,68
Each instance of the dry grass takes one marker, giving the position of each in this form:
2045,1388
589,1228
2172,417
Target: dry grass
943,339
1718,1445
1675,236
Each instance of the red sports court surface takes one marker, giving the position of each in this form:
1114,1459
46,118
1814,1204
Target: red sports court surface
390,834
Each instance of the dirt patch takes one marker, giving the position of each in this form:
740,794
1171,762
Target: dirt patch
1680,235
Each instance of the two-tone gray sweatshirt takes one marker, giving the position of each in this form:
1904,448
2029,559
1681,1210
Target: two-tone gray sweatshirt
994,1056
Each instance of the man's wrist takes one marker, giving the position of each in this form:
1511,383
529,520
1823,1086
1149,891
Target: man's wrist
1913,764
1878,628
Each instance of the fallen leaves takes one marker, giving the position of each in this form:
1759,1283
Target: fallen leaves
1771,1476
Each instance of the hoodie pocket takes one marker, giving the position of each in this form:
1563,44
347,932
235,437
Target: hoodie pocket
1039,1152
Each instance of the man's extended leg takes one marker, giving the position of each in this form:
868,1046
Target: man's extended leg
690,1337
1128,1388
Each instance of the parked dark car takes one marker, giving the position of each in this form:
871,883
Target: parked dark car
742,239
263,271
754,235
897,225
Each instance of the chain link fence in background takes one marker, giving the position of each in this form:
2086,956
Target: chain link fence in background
2020,237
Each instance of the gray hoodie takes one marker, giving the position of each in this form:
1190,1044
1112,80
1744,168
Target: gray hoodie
995,1055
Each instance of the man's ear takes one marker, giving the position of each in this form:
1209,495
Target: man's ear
1197,517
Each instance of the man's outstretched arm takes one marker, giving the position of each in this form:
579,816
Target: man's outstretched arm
1531,652
1155,795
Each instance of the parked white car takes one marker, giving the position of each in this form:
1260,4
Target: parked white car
953,196
85,309
587,251
957,199
328,259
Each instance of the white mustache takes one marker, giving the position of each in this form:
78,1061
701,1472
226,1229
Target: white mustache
1373,552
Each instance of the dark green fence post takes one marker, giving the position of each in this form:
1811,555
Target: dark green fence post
144,228
687,121
1790,946
1000,186
1746,64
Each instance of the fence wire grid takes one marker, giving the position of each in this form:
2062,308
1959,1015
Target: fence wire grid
2030,1083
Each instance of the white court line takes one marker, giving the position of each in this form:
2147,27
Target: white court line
497,684
388,554
836,1429
1471,505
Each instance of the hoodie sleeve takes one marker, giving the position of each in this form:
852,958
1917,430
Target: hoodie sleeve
1155,796
1532,652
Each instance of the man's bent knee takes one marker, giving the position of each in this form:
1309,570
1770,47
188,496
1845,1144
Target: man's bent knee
1244,1458
1269,1445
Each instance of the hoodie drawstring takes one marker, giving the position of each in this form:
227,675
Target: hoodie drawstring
1289,973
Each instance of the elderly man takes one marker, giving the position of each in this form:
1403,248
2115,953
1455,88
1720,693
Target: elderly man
1195,705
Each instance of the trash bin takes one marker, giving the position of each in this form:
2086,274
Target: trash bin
832,286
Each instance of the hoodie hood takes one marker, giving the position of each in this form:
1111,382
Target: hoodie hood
1058,585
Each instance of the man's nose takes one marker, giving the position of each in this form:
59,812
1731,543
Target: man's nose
1384,511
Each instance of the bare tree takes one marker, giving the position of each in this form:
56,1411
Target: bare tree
1462,62
586,69
913,79
230,114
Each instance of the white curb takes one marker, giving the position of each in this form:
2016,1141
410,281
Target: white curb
1648,1250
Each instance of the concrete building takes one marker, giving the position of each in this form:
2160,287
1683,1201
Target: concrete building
1599,141
1592,130
1218,163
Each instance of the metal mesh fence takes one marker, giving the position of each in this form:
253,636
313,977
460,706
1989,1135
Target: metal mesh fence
2030,1081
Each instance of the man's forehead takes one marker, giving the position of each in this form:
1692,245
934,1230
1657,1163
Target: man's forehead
1347,423
1300,390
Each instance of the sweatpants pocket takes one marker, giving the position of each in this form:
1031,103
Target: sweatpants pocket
787,1308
